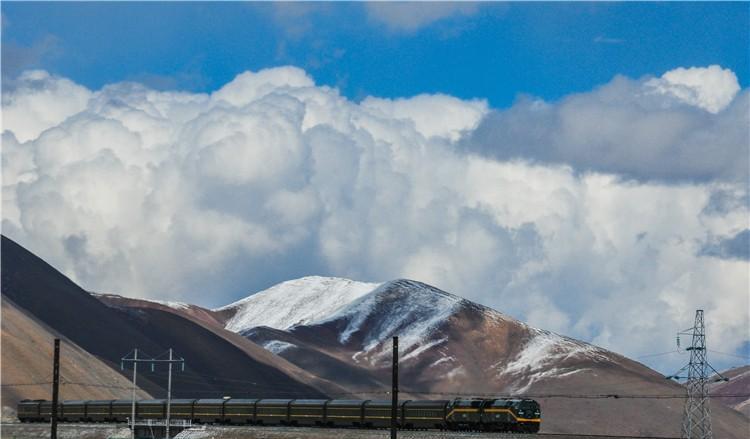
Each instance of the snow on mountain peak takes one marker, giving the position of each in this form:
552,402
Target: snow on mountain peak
411,319
303,301
375,312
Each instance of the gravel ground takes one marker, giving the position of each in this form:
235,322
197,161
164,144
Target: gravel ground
105,431
83,431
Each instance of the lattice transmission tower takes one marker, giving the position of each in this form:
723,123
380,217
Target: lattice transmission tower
696,419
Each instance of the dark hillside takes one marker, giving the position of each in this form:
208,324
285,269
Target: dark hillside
214,367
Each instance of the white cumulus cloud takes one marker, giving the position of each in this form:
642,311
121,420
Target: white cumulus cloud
206,197
711,88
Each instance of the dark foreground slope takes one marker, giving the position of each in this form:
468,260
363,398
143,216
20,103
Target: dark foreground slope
214,366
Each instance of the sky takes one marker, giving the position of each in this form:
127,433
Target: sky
582,167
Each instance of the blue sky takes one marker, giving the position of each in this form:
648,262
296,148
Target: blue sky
492,51
615,208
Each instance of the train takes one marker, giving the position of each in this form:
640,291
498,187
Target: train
475,414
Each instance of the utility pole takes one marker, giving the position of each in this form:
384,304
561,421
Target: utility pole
145,359
55,388
696,419
394,390
169,392
132,411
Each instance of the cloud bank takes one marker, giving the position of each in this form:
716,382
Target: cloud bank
687,125
610,215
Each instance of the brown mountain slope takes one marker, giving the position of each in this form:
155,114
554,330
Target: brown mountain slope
27,351
734,392
206,319
452,346
214,366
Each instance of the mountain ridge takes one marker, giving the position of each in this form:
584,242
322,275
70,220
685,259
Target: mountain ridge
451,346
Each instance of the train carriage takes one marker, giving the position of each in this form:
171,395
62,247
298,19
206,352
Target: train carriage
181,409
272,411
28,410
240,411
424,414
99,411
45,410
151,409
73,411
208,411
121,410
307,412
377,414
344,413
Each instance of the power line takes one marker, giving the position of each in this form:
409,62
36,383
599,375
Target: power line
744,357
658,354
431,393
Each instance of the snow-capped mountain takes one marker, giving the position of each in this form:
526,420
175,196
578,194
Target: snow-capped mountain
308,300
340,330
364,317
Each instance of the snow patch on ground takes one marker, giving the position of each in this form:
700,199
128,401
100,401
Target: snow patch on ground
455,372
535,361
304,301
278,346
422,348
443,360
546,348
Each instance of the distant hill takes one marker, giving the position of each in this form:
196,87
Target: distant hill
342,329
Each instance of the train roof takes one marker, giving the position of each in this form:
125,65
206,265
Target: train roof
381,402
283,402
241,401
309,401
338,402
151,401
